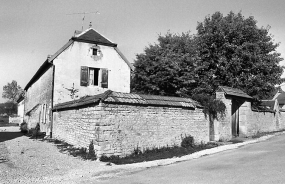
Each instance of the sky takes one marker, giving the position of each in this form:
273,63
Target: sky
32,29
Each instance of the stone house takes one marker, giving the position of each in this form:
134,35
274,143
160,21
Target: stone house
88,64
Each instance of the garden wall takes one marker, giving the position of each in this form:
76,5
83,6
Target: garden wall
117,129
261,122
250,121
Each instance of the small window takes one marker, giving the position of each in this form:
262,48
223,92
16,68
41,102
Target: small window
95,52
94,77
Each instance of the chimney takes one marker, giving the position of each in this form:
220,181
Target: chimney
76,32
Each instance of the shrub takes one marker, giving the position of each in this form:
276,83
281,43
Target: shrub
24,127
212,107
91,153
188,142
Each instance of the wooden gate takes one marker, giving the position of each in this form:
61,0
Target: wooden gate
235,118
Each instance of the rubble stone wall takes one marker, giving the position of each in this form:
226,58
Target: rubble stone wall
261,122
118,129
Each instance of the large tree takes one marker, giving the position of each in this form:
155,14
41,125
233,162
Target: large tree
166,68
227,50
11,91
235,52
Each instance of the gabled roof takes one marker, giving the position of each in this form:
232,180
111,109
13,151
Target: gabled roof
130,98
88,36
92,36
233,92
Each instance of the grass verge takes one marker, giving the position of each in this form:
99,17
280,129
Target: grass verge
156,154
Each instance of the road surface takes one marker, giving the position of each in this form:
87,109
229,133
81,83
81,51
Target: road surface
262,162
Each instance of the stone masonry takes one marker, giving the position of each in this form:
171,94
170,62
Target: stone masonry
118,129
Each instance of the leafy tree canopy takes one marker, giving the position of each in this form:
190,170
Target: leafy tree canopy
8,108
234,52
166,68
11,91
227,50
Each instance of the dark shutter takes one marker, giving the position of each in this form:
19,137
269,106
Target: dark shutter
84,76
104,83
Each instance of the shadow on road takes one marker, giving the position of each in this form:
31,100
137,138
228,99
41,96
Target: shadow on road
5,136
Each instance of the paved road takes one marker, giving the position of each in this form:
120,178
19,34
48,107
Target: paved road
262,162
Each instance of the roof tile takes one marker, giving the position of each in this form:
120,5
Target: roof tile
130,98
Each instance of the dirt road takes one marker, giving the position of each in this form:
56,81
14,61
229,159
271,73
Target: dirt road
25,160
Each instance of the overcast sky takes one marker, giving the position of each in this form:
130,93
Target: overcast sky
32,29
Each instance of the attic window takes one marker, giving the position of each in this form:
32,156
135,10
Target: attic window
95,52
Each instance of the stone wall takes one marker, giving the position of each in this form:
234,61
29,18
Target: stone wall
119,129
261,122
281,119
16,119
223,127
39,94
250,121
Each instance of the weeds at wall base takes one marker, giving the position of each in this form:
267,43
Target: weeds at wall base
187,147
156,154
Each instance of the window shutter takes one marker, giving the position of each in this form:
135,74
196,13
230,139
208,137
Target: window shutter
104,82
84,76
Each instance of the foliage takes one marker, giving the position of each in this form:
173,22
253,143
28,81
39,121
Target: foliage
214,108
91,152
8,108
155,154
166,68
234,52
227,50
187,142
73,92
24,127
11,91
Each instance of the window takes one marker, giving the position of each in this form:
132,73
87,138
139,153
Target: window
94,77
95,52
